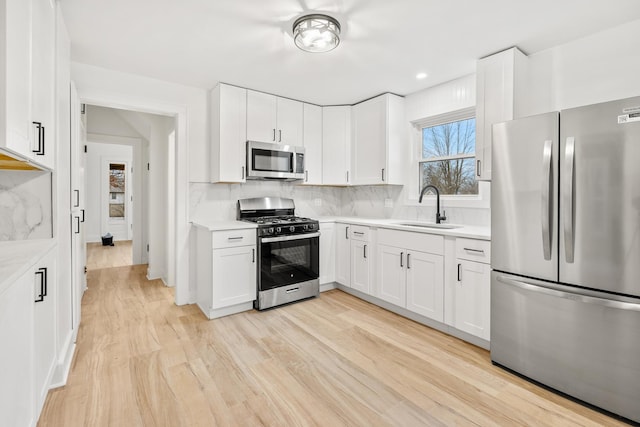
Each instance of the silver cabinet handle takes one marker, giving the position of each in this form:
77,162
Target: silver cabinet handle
77,203
567,199
235,238
274,135
408,260
306,176
253,256
365,251
569,295
478,167
42,272
77,225
545,212
401,259
359,233
480,251
347,177
243,172
382,174
459,265
346,233
279,135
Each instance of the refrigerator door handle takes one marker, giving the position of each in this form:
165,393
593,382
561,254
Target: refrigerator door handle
546,215
567,199
569,295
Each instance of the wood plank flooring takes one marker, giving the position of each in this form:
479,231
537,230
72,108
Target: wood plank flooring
118,255
331,361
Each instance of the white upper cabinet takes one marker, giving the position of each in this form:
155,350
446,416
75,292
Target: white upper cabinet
43,81
274,119
336,145
228,133
312,142
500,89
27,95
378,141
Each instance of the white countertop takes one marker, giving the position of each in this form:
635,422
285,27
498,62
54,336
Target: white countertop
468,231
223,225
16,257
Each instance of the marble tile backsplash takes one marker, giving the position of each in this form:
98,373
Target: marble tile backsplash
218,202
25,205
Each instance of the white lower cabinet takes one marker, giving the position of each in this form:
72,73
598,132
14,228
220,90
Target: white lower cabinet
353,257
472,290
27,334
425,284
327,253
343,255
226,271
410,271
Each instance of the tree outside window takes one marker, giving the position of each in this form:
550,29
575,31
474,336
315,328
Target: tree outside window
448,157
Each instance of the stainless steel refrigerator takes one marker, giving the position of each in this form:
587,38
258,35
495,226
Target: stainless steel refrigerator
565,221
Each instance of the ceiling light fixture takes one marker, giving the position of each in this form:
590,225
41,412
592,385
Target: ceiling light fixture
421,76
316,33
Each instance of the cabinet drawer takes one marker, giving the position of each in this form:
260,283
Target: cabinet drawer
232,238
359,232
473,250
423,242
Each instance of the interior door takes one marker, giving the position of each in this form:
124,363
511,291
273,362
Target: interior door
600,197
524,196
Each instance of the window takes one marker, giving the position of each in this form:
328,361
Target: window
448,157
116,190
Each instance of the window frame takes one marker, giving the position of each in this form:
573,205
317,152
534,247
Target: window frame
480,200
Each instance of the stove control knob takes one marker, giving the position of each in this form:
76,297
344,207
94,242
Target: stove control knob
305,227
269,230
292,229
312,226
278,229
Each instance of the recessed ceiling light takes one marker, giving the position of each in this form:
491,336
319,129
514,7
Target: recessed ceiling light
421,76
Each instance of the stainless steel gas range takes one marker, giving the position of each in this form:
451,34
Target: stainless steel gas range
288,251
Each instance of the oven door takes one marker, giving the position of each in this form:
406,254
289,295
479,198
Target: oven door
286,260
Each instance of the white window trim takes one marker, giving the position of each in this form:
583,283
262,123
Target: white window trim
481,200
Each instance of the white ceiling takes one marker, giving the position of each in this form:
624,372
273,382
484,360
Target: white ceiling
385,43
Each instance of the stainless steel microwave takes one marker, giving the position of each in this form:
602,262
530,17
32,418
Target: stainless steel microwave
274,161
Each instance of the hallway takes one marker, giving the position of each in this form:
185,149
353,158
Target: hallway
118,255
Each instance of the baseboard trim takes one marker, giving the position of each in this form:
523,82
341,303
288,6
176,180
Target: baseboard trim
327,286
442,327
63,365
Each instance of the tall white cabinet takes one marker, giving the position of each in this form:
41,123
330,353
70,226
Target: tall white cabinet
228,133
377,147
500,96
336,145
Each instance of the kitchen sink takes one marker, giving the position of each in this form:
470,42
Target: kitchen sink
429,225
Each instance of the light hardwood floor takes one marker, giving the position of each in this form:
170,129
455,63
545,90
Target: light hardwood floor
330,361
118,255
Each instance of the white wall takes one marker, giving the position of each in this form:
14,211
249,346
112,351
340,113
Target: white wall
598,68
96,216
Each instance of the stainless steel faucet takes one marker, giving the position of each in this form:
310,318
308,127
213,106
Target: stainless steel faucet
439,217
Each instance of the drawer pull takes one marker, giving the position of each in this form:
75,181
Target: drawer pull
359,233
480,251
235,238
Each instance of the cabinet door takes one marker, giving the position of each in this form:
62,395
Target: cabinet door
290,121
343,255
425,284
336,131
43,81
391,263
327,253
17,84
261,117
472,298
312,141
228,133
234,276
44,325
16,336
360,255
369,141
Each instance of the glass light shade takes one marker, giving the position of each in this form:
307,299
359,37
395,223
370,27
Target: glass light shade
316,33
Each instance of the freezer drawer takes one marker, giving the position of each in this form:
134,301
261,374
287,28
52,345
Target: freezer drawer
583,345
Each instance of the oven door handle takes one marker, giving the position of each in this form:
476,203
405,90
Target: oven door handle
288,238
